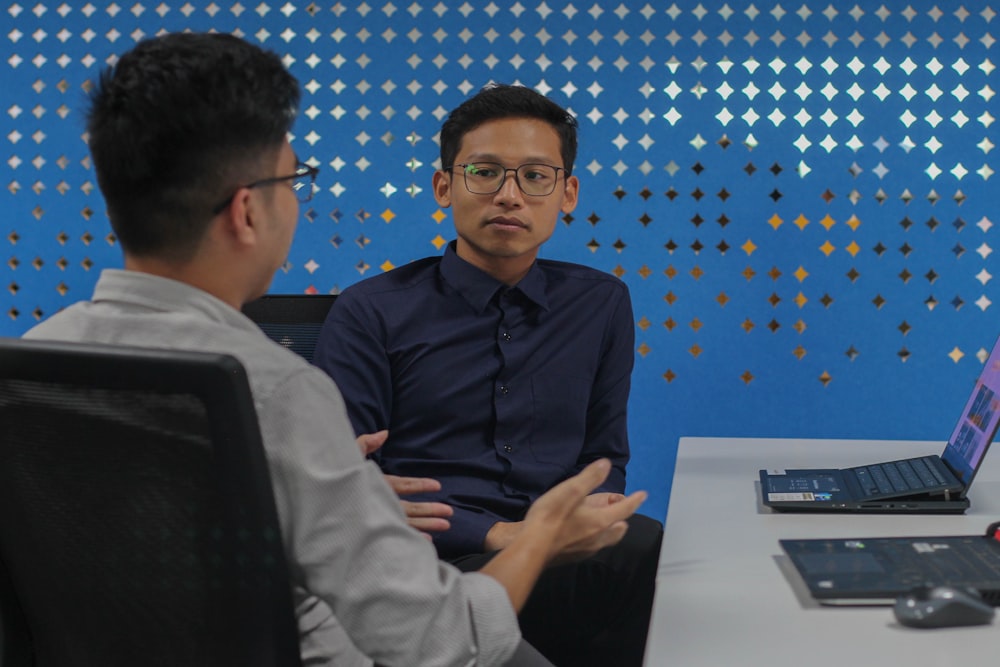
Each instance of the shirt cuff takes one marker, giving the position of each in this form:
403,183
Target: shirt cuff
493,617
466,535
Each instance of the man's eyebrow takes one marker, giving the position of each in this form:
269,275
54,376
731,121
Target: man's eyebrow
531,159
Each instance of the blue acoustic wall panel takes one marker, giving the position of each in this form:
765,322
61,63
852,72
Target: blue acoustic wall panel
797,193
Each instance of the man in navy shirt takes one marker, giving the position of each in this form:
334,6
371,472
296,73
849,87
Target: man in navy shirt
500,374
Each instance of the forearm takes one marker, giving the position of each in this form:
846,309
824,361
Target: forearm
518,566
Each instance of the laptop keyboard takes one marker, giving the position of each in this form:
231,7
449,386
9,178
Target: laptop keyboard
906,476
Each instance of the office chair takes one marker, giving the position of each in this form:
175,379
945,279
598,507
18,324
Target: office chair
137,519
293,320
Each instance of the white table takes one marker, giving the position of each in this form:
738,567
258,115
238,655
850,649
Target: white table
726,595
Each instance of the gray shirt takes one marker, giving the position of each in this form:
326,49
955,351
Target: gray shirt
365,583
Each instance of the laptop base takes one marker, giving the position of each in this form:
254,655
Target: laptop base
896,506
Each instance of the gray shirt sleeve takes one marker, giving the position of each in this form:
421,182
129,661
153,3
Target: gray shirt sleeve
353,550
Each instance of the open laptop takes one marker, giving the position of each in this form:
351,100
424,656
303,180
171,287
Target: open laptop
875,571
927,484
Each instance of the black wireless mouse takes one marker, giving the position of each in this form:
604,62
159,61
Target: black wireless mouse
942,607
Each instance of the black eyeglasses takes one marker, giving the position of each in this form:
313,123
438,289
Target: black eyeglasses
486,178
303,183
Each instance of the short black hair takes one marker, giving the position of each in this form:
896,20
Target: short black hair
176,125
497,101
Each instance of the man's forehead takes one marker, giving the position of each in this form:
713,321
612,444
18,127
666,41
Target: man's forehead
492,141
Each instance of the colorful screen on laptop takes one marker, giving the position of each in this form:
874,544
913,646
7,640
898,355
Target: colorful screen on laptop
978,424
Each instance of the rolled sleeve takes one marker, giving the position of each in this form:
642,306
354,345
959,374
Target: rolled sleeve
352,549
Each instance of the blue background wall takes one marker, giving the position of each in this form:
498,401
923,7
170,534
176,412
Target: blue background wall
798,195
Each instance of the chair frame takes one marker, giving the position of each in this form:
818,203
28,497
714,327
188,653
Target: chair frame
239,463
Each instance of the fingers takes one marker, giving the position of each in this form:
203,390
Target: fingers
429,526
602,499
369,442
427,517
626,507
581,484
406,486
426,510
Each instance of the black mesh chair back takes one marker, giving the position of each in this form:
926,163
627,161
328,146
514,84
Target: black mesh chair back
137,519
293,320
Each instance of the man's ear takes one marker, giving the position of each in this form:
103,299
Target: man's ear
240,218
570,194
442,188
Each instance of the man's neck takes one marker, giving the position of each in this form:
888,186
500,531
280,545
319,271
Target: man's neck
508,270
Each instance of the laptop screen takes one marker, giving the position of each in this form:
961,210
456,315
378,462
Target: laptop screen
978,425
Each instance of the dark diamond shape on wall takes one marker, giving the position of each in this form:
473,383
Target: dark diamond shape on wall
959,224
826,300
696,220
905,249
930,302
879,249
723,246
853,274
931,276
722,220
749,169
958,250
905,276
645,193
933,223
852,353
645,219
593,218
776,169
670,246
828,196
906,223
904,327
619,193
697,246
697,194
775,195
957,302
723,194
671,194
697,168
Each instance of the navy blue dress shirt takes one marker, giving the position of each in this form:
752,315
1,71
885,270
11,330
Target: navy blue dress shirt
497,392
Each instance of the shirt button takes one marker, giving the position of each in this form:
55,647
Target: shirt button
506,336
508,448
504,389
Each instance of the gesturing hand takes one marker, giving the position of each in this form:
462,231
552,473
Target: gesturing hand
426,517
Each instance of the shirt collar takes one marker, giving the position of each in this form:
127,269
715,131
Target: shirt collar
155,293
478,287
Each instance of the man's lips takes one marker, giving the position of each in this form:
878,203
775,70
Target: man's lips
501,222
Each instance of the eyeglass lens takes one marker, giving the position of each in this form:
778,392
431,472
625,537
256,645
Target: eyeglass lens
485,178
304,186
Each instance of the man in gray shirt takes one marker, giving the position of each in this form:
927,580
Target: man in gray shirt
188,138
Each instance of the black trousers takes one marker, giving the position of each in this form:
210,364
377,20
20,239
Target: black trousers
596,611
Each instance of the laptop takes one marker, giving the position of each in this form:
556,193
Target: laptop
875,571
924,485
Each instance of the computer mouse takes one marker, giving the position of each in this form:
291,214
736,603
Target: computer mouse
942,607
